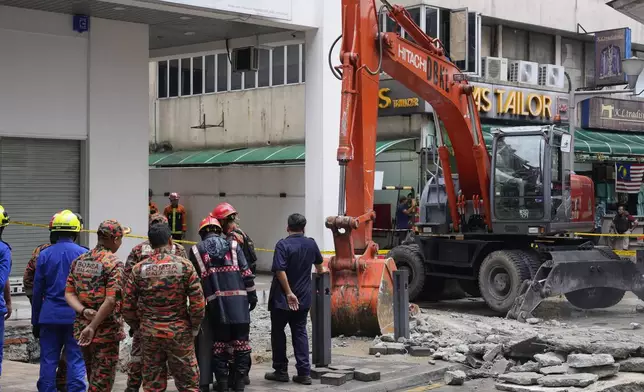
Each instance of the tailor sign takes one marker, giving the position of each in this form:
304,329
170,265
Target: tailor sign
613,114
611,47
515,103
277,9
394,99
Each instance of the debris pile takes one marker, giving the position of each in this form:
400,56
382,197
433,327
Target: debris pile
539,356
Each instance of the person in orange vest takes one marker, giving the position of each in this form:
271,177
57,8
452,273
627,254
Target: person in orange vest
152,205
176,215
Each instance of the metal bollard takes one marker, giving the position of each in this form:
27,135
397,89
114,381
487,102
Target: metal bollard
321,320
401,304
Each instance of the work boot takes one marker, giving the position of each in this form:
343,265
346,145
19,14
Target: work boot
304,380
276,376
246,380
222,385
204,388
240,385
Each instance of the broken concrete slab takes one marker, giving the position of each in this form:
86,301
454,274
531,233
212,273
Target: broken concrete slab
501,366
529,366
634,364
492,353
454,377
527,378
549,359
388,338
474,374
420,351
475,338
481,348
525,388
378,349
474,361
618,349
524,347
548,370
366,375
456,357
581,380
622,382
601,371
335,379
589,360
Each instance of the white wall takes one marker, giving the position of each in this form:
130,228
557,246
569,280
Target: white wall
118,126
43,75
253,190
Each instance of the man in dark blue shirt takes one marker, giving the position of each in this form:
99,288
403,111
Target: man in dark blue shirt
290,299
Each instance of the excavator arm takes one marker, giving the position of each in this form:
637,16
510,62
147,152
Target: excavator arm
362,285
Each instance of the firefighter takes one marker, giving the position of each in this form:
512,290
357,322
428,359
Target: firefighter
139,253
230,289
5,269
52,318
176,215
94,292
229,218
167,323
152,206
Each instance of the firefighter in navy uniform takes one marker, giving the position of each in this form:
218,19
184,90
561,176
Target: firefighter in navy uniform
229,288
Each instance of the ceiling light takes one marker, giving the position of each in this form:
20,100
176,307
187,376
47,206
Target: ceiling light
189,33
119,8
185,18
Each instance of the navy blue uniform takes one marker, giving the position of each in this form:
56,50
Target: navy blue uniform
295,255
55,317
5,269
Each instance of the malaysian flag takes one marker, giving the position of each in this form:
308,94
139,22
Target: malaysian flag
628,177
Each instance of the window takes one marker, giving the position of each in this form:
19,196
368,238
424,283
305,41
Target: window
278,66
185,77
292,64
210,74
197,75
303,62
542,48
431,22
264,79
162,82
415,16
222,72
572,58
515,44
249,80
235,80
174,78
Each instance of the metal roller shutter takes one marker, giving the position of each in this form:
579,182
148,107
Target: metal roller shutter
38,177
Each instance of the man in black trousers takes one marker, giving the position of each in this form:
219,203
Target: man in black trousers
290,299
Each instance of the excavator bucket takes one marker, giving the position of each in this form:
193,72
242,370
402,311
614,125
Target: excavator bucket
590,279
362,299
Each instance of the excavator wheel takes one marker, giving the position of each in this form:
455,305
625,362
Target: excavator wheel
421,287
500,278
597,297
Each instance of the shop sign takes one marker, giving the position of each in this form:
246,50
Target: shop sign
613,114
515,103
611,46
394,99
277,9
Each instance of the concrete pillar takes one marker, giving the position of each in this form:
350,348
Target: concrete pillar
322,101
117,143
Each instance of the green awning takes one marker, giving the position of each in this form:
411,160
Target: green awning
255,155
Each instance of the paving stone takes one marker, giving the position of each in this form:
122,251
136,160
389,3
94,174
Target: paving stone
601,371
419,351
527,378
526,388
589,360
548,370
378,348
581,380
335,379
348,373
341,367
492,353
396,348
454,377
316,373
366,375
635,365
549,359
529,366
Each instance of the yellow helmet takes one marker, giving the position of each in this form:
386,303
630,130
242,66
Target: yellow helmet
4,217
66,221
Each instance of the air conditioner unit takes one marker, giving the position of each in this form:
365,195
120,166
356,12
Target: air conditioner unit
524,72
245,59
494,69
551,75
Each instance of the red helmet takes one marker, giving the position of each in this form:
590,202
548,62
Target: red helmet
223,211
174,196
209,221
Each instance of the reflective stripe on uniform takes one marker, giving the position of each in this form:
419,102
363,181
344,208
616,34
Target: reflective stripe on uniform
195,250
229,293
234,253
251,288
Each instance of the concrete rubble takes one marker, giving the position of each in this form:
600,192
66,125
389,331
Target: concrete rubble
539,356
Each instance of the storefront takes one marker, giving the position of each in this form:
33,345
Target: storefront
612,136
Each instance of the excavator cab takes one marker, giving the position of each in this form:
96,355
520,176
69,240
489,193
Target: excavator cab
530,187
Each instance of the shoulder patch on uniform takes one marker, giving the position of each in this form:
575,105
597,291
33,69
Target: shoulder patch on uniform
146,250
161,270
88,267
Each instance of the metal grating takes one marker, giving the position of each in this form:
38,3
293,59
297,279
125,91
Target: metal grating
166,28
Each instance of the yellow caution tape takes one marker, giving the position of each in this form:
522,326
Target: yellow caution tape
608,235
184,242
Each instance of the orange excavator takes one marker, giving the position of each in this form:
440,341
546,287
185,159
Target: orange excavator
501,225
